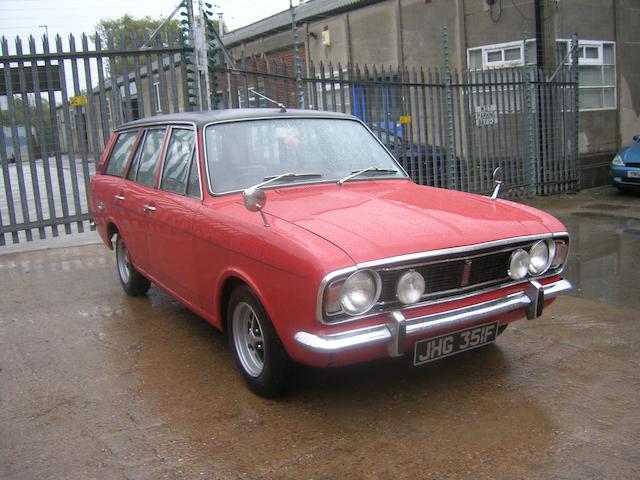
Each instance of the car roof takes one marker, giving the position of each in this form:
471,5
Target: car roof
202,118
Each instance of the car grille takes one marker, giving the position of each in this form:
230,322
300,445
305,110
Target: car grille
448,276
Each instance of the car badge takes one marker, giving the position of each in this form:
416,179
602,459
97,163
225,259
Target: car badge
466,273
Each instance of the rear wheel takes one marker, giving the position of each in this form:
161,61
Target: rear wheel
256,347
132,281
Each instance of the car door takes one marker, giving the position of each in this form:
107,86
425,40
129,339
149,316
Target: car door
178,197
107,189
139,196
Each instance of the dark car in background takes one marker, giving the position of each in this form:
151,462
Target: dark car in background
425,163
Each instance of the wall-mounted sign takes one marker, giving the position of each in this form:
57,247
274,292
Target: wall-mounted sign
486,115
79,101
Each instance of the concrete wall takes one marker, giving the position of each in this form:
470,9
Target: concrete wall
628,55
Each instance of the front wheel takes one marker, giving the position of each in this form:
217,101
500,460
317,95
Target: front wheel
256,347
133,282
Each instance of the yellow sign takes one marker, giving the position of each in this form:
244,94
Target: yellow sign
79,101
404,119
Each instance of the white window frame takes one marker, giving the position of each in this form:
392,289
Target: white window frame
599,62
487,49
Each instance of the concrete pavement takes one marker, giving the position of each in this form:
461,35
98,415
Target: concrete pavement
95,384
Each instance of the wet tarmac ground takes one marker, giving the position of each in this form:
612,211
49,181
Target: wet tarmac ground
95,384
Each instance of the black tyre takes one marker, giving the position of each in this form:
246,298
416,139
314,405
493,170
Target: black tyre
132,281
501,330
256,348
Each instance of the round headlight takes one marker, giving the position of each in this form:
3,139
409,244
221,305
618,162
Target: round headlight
539,257
617,161
360,292
518,264
410,287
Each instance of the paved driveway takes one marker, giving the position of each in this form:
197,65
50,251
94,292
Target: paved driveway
95,384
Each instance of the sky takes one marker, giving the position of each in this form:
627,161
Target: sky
29,17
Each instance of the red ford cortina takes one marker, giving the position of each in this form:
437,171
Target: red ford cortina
300,235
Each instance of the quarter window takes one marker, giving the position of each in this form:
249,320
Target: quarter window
177,161
120,154
193,187
143,170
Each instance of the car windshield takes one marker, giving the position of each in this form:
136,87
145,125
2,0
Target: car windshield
244,153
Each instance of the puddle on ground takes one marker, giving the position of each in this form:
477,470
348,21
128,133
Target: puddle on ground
605,258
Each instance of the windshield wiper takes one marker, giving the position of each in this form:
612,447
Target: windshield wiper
283,176
355,173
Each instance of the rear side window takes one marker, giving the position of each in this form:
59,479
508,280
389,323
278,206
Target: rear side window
177,161
120,154
143,169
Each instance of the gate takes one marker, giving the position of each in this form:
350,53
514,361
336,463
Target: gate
59,105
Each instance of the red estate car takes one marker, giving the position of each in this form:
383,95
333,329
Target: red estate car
299,234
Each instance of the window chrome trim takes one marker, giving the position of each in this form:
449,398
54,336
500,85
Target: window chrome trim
278,117
409,258
194,130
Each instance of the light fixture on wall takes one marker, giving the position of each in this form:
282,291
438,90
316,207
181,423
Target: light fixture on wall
326,38
313,35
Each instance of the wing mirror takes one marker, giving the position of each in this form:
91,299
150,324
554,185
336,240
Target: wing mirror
636,138
254,200
498,177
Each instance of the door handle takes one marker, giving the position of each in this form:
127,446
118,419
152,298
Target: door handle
149,208
118,197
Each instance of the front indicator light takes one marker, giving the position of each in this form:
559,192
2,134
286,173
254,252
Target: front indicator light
518,264
410,287
562,249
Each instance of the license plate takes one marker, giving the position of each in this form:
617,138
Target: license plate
633,173
446,345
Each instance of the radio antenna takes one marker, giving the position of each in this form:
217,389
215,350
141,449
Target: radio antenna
282,106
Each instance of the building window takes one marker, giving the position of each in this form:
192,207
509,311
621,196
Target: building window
596,66
501,55
596,72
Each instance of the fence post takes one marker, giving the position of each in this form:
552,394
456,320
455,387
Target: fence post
530,159
451,146
575,78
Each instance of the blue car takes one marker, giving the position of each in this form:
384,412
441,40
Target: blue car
625,167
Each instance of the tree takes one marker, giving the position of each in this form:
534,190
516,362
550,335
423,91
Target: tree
128,33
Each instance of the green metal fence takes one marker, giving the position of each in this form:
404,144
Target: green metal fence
60,100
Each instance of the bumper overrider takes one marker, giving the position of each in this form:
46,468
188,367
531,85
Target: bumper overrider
398,328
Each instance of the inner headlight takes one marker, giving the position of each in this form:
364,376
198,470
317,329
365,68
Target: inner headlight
410,287
617,160
360,292
518,264
540,257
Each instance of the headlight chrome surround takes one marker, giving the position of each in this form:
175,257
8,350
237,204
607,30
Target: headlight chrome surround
360,292
410,287
617,161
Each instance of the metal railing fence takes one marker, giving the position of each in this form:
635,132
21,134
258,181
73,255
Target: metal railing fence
59,104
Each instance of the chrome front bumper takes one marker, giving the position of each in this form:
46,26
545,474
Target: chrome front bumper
398,328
